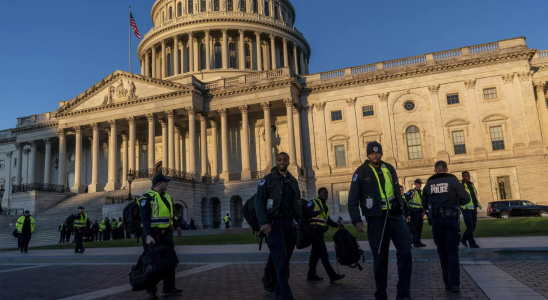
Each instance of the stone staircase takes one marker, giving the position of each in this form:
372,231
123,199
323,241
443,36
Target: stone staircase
48,221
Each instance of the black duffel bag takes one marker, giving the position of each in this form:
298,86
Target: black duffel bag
305,232
15,233
154,261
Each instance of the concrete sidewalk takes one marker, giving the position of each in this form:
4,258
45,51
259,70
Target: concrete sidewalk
491,248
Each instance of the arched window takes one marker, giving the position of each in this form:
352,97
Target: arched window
203,5
276,16
218,56
247,56
414,148
170,12
243,6
229,5
203,56
190,6
266,9
179,9
232,53
255,7
216,6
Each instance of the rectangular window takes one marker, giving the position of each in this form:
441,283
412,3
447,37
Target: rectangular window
458,142
203,5
190,6
1,164
489,93
368,111
505,190
452,99
336,115
497,140
343,201
340,159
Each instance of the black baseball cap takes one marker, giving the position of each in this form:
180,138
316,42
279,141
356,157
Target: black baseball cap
418,180
27,212
159,178
80,207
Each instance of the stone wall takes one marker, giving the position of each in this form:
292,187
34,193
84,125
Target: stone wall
35,201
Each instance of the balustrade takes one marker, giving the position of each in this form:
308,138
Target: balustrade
543,54
39,187
484,48
364,69
404,62
447,54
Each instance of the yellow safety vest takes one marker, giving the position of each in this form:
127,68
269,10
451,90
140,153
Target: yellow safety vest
162,216
82,221
416,201
320,219
102,226
120,224
21,220
387,186
226,219
470,204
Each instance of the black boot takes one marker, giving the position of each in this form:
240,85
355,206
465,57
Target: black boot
152,296
314,278
268,286
337,277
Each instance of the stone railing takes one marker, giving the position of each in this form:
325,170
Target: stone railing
364,69
484,48
250,78
404,62
234,176
39,187
4,134
332,74
257,174
542,54
447,54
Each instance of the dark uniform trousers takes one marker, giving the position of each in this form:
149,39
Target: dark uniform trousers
397,230
63,235
417,220
319,251
470,219
67,236
281,243
78,236
24,239
168,276
446,232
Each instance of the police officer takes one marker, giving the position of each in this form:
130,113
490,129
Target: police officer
81,223
470,212
158,222
375,190
318,212
443,194
416,212
277,206
63,230
25,229
102,228
227,221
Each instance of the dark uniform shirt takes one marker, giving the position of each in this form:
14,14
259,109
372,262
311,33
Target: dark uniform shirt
286,206
146,212
444,190
26,225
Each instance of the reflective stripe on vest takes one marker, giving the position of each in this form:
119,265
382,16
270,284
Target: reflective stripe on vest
82,221
387,186
320,219
470,205
162,216
226,219
416,201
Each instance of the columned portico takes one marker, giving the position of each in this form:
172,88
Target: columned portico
131,150
203,143
78,187
214,147
192,137
124,152
165,156
246,170
286,56
62,159
259,51
291,133
267,135
151,144
224,143
113,183
94,186
208,51
170,139
273,51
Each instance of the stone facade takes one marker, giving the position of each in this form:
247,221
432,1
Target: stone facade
215,119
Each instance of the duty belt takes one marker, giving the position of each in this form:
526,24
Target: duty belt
446,212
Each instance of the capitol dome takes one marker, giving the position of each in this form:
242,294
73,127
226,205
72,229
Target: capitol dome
214,39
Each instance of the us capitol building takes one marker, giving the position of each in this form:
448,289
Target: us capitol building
225,86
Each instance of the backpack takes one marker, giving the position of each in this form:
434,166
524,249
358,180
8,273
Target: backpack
132,217
148,271
305,231
347,249
250,215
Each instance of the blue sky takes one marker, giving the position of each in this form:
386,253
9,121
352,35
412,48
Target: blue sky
53,50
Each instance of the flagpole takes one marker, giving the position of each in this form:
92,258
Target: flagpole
130,41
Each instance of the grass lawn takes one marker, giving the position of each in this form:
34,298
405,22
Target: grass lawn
485,228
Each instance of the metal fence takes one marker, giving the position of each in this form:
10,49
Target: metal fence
39,187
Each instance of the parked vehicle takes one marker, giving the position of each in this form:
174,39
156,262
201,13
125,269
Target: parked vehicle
516,208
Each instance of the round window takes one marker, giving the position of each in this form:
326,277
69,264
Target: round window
409,105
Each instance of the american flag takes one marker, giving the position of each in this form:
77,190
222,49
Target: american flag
132,23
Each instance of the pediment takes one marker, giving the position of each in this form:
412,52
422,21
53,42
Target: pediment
494,117
116,88
457,122
339,137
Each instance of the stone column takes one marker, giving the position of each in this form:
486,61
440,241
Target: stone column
151,144
192,139
62,159
147,64
124,152
246,166
224,46
19,162
164,62
154,62
438,124
310,115
208,50
171,138
321,141
94,186
273,51
291,131
286,57
303,68
242,49
259,51
203,142
131,149
165,156
353,133
78,187
47,161
214,148
267,135
177,143
32,162
142,62
298,135
295,59
542,110
113,183
191,51
224,143
175,52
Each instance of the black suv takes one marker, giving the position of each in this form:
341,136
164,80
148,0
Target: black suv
516,208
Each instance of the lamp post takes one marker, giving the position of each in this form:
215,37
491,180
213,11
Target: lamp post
1,196
56,163
130,177
144,146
